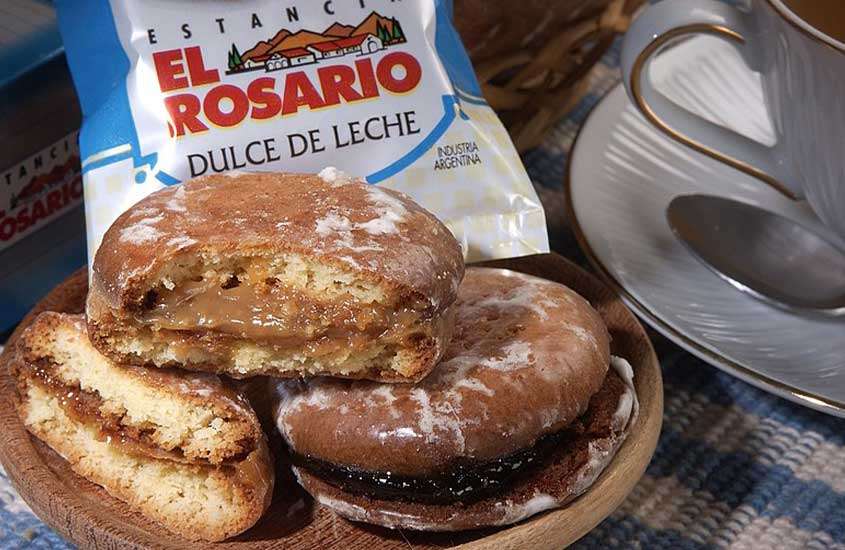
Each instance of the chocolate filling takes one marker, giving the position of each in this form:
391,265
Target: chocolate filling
84,407
468,482
463,482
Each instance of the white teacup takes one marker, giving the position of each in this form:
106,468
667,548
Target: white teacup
803,74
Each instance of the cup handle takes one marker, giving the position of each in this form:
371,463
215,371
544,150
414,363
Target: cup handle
662,23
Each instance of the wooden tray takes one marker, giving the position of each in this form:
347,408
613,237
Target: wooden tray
85,515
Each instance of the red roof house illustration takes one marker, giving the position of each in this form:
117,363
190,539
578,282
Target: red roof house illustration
292,57
286,49
362,44
39,184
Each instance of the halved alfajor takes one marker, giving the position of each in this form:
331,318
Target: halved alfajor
277,274
183,448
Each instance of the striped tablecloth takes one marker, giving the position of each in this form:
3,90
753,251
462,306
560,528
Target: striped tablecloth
735,467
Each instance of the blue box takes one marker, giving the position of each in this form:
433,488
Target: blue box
42,225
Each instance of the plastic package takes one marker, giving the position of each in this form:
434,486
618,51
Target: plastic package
174,89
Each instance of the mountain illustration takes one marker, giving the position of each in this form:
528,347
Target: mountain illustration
339,30
288,41
338,39
373,24
301,39
38,184
263,47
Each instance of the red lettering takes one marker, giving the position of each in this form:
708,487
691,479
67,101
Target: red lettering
76,188
261,92
409,81
29,216
23,220
38,212
336,82
7,229
196,68
299,92
228,105
216,115
54,201
184,110
369,85
169,69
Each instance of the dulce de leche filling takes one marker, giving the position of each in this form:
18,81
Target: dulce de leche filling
252,307
85,407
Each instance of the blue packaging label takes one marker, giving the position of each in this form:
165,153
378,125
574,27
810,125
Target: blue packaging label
175,89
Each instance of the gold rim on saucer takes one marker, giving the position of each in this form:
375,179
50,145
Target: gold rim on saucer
814,400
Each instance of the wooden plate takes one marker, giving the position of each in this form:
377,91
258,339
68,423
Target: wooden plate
87,516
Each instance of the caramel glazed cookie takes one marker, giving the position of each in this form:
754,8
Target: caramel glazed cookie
277,274
521,416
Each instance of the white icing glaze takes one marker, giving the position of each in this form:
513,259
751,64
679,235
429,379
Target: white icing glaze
141,232
334,177
516,355
333,223
380,226
625,407
181,242
385,518
385,391
512,513
624,369
145,211
438,418
141,229
399,433
177,202
474,385
235,173
386,202
628,408
340,229
529,296
389,213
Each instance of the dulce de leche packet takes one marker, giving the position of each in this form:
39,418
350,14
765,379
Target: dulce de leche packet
383,89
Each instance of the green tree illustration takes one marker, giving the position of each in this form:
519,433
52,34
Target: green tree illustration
398,33
235,60
382,33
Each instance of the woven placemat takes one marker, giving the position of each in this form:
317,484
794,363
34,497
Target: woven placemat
735,467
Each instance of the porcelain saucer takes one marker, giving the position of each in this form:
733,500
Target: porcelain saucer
622,175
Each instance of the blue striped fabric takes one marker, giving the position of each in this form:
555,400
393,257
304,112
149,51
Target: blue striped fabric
734,468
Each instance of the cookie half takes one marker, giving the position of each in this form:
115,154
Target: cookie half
521,416
277,274
182,416
183,448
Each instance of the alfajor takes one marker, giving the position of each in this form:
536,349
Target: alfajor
522,415
277,274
